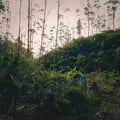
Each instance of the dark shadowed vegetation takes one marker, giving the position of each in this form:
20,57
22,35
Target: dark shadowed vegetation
45,91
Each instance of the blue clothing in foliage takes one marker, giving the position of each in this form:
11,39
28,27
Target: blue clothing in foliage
79,79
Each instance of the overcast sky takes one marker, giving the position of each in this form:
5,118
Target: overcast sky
70,17
51,8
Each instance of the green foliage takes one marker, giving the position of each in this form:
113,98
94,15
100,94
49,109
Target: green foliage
98,56
87,54
76,105
108,93
29,92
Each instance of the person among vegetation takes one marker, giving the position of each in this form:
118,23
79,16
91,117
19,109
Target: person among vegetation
79,79
76,79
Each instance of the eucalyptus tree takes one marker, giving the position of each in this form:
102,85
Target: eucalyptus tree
79,23
3,24
112,7
103,24
30,30
93,24
88,13
73,33
66,27
8,15
57,31
97,6
97,13
108,15
67,33
58,19
1,5
79,27
5,16
28,39
1,10
64,33
43,29
1,16
61,33
52,36
19,34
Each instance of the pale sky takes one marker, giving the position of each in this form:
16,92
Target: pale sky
51,7
69,17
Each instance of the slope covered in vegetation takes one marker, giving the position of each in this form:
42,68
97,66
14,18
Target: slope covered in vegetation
98,52
33,91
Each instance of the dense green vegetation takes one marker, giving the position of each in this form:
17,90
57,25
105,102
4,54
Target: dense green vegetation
33,91
97,52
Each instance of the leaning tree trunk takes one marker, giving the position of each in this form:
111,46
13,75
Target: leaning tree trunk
113,19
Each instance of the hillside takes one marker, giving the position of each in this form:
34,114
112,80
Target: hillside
33,91
98,52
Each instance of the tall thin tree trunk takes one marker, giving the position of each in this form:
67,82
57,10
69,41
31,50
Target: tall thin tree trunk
31,32
28,41
98,16
1,24
7,21
43,31
58,12
19,34
57,32
113,19
108,22
88,2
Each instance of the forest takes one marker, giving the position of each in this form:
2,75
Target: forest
45,86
